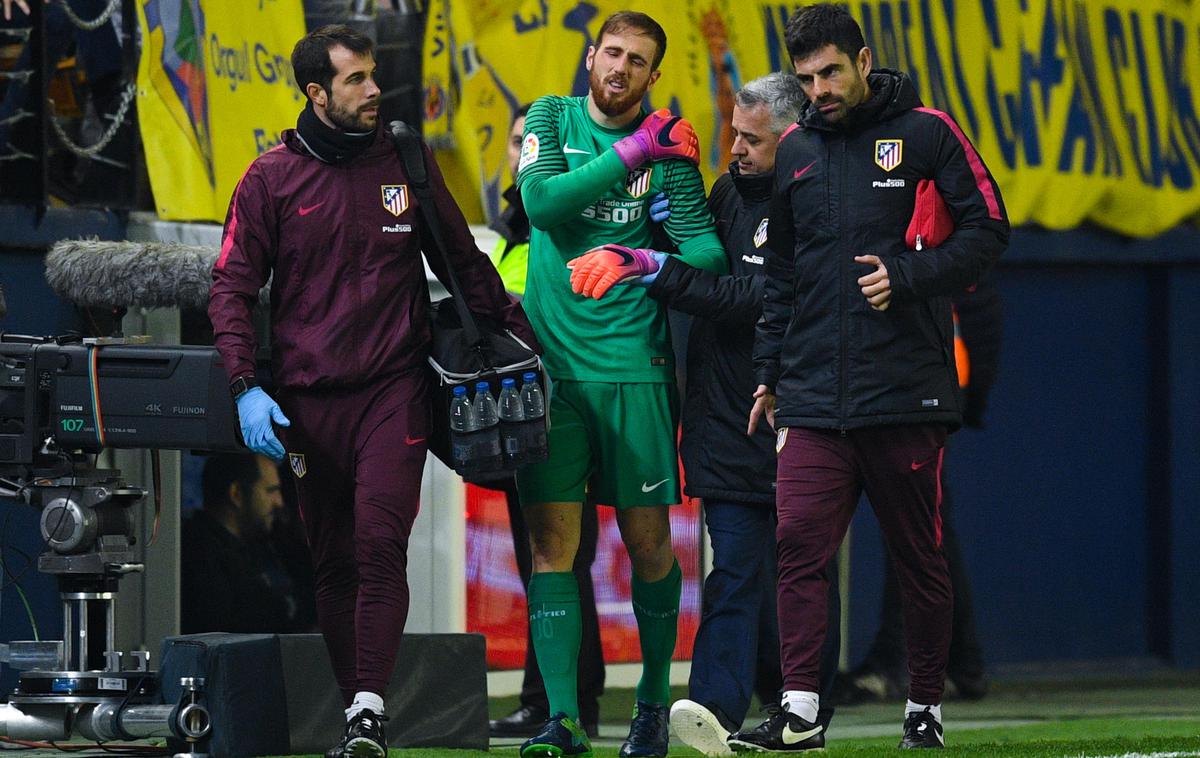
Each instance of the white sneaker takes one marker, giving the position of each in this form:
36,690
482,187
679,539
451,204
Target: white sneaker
699,728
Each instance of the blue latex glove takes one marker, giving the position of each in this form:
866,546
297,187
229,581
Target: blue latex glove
256,411
660,258
660,208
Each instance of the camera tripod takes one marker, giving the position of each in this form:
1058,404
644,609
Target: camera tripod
81,685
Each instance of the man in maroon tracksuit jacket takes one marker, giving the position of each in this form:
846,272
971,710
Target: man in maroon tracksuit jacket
330,214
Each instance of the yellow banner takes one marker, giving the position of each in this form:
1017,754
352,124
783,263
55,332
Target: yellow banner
215,88
1085,110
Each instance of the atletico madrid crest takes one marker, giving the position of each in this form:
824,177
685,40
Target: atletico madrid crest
638,181
760,234
888,153
395,198
298,464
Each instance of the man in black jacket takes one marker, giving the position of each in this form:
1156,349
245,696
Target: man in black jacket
231,578
854,355
736,651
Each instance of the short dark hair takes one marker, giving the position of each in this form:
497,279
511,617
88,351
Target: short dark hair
310,56
815,26
642,24
520,112
224,469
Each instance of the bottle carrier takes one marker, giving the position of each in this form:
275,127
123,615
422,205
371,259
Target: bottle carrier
466,347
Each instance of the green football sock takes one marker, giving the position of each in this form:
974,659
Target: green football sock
557,627
656,608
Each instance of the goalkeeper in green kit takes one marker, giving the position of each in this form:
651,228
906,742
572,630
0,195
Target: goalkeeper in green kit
588,169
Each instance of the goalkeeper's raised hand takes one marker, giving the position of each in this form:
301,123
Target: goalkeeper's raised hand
594,272
661,135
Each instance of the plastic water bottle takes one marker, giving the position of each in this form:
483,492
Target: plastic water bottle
533,431
462,415
487,452
532,397
463,423
512,417
485,406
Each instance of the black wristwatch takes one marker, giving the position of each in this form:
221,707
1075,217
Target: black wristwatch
241,384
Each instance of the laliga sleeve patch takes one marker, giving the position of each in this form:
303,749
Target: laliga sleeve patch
529,151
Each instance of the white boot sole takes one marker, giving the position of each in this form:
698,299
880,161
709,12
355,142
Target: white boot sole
699,729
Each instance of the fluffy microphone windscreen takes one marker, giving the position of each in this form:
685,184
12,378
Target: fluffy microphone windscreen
95,273
147,274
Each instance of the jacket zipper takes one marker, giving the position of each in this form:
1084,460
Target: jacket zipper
843,267
354,266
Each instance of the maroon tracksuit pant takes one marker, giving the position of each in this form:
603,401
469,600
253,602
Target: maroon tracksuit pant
357,457
821,475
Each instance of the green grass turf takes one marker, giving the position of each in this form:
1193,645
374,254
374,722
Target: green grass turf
1083,738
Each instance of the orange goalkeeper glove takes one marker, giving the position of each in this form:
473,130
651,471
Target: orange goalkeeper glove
601,267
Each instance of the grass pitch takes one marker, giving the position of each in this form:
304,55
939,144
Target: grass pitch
1156,716
1085,738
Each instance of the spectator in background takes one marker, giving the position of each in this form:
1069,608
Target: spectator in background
232,579
511,257
883,673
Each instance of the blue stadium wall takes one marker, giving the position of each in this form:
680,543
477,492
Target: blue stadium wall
1076,505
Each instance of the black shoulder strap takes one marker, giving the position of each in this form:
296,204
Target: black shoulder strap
409,145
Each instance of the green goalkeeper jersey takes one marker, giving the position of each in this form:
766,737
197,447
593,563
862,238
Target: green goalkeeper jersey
579,195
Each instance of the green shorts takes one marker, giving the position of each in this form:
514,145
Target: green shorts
616,441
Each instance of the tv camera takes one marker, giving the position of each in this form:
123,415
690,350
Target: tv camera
61,401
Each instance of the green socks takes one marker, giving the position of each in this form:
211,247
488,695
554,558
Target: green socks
656,608
555,623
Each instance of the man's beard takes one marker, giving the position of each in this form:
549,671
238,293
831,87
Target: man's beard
857,94
350,121
617,104
253,529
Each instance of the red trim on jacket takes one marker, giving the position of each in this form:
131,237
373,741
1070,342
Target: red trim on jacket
977,169
227,243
